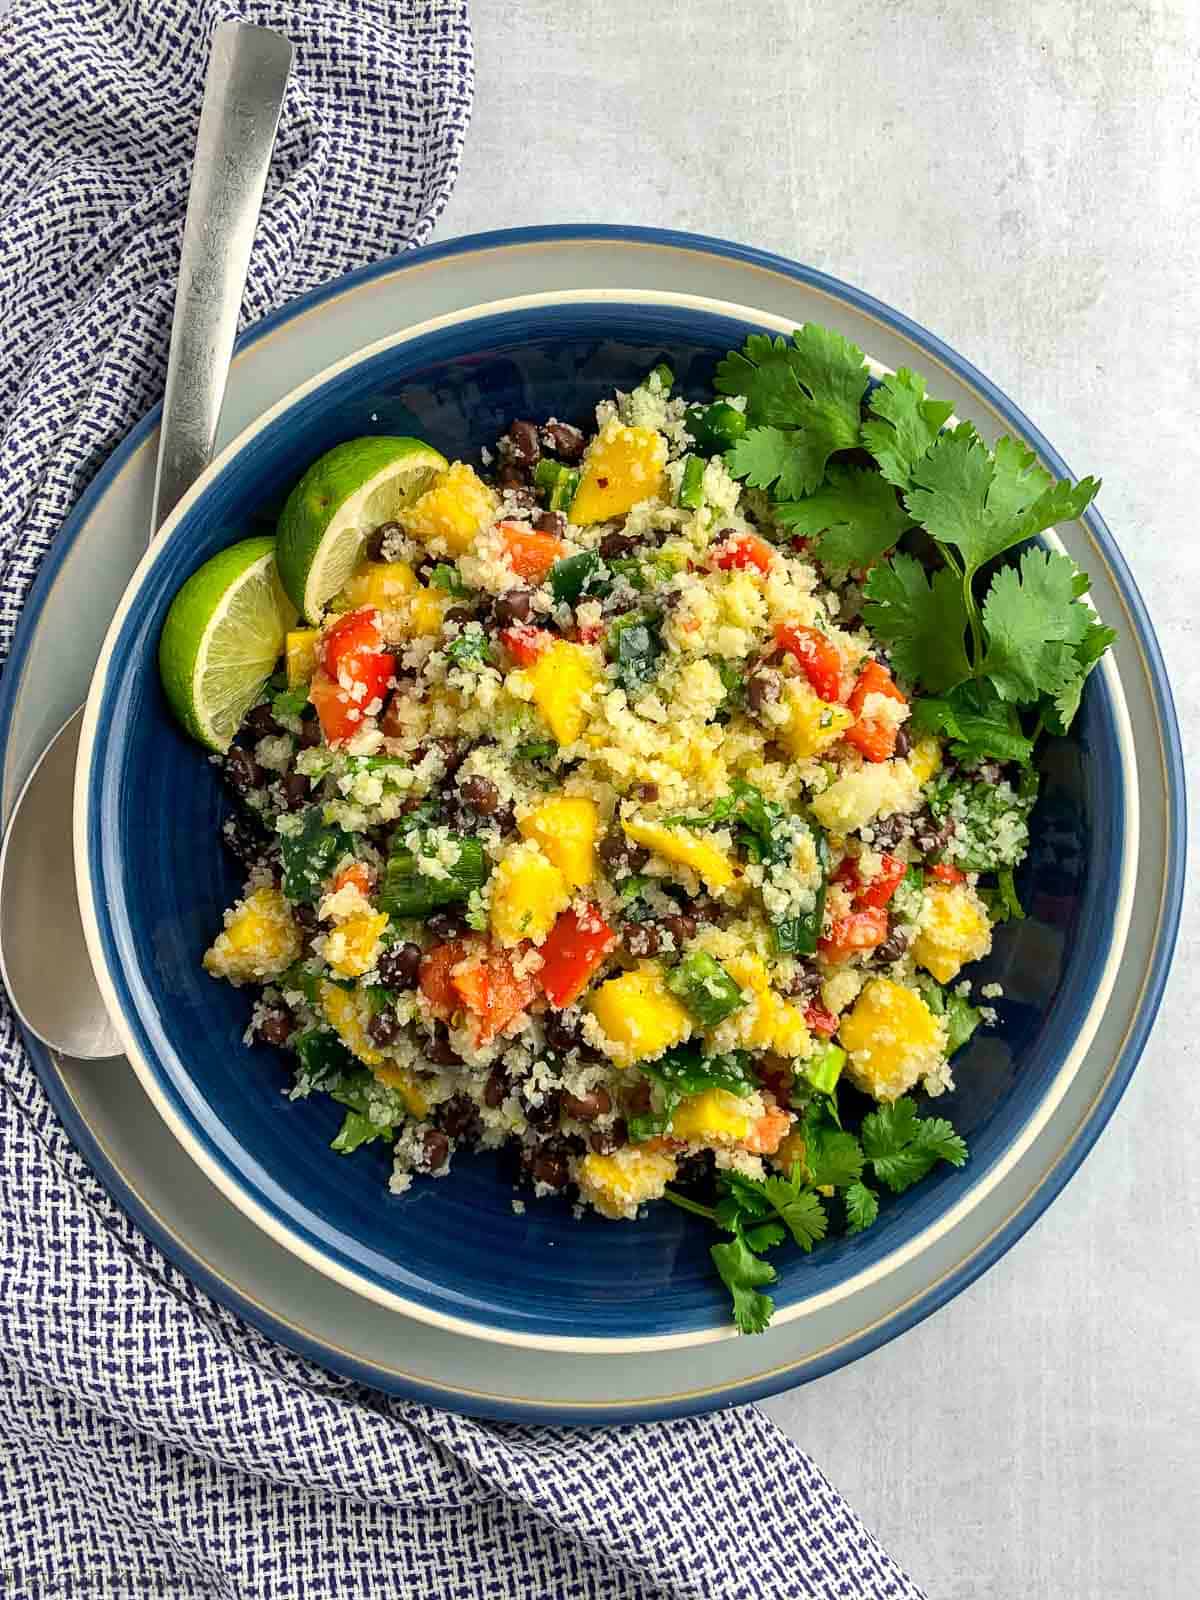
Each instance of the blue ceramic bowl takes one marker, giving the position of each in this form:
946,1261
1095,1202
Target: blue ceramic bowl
154,881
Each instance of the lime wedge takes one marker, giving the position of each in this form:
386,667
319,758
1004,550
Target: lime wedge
222,637
338,503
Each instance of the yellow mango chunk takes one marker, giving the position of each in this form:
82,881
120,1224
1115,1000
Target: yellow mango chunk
258,942
618,1184
712,1117
953,929
528,892
891,1038
639,1016
347,1013
562,678
383,584
685,848
925,759
566,828
408,1084
454,508
426,609
351,947
300,654
622,466
769,1022
812,724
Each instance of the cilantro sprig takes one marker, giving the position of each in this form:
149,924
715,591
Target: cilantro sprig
896,1145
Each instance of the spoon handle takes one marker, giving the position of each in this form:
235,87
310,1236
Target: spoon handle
243,96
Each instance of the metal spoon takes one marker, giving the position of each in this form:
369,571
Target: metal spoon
43,958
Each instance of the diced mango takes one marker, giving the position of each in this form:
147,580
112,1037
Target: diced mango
925,759
812,724
618,1184
562,678
685,848
347,1012
407,1083
258,942
454,508
528,892
426,609
891,1037
953,929
351,946
858,797
566,828
300,654
623,465
712,1117
383,584
638,1015
770,1022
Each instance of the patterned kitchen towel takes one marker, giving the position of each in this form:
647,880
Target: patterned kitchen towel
151,1443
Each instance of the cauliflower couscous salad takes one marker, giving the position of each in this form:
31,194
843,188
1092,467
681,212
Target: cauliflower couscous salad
638,796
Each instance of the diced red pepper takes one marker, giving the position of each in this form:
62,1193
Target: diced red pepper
436,983
800,544
352,681
494,994
817,656
872,736
357,873
589,632
852,934
820,1020
573,950
945,873
876,891
525,643
529,553
744,550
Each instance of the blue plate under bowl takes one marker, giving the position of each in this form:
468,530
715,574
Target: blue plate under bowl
154,880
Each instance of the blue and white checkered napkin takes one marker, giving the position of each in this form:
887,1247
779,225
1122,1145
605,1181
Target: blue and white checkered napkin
151,1442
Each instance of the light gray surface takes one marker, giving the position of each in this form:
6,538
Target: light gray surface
1021,178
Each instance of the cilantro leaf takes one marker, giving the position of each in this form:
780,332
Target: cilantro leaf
765,1236
977,722
983,502
470,648
991,828
923,622
358,1130
290,703
1009,900
771,457
1034,620
862,1207
904,425
762,371
960,1016
800,1210
854,515
1059,715
903,1147
832,1157
743,1274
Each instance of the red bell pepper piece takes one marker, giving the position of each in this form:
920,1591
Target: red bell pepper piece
872,736
353,678
436,983
742,551
525,643
876,891
574,948
945,873
529,553
852,934
817,656
494,994
820,1020
357,873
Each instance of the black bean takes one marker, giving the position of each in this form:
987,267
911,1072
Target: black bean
646,792
544,1115
605,1140
296,789
637,1098
458,1116
439,1050
903,743
481,794
522,444
615,546
513,606
387,530
241,772
514,479
260,722
275,1026
805,983
505,817
587,1107
400,967
620,854
434,1151
305,917
310,734
888,831
705,909
447,924
640,939
496,1087
553,522
892,948
384,1026
520,496
763,688
458,617
565,441
549,1166
681,927
244,841
562,1036
930,835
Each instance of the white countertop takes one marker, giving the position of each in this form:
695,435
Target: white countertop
1019,177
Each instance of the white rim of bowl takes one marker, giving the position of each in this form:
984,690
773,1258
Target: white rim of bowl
217,1173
